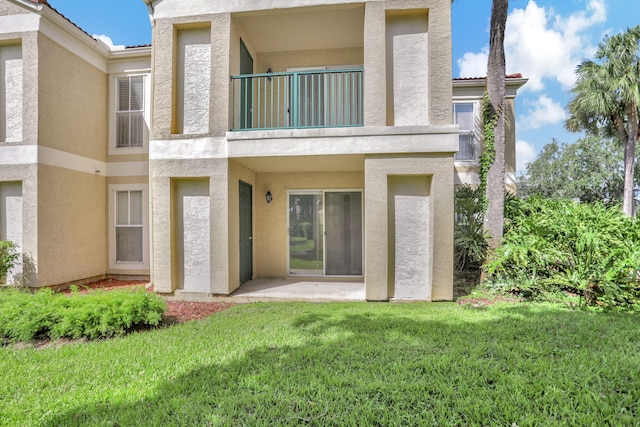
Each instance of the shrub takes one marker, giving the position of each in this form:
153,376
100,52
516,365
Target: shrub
8,258
25,316
552,246
470,242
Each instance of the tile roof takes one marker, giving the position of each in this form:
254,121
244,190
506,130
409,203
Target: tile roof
508,76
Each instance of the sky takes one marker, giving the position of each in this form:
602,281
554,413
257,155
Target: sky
545,40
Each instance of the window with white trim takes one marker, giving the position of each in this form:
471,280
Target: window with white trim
130,111
464,115
129,245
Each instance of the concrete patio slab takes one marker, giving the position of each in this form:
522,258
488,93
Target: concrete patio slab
289,289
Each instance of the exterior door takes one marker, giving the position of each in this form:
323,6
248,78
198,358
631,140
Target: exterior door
246,89
246,232
325,233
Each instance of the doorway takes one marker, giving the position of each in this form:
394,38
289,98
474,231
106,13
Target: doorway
246,232
325,233
246,89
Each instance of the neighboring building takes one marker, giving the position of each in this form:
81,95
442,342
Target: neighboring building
298,138
467,113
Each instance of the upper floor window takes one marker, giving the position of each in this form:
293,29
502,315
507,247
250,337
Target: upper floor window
464,115
130,111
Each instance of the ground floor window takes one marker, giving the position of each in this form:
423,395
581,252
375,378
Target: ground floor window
325,232
128,226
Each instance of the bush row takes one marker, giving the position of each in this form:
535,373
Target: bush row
565,246
46,315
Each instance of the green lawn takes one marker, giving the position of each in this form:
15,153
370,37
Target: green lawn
340,364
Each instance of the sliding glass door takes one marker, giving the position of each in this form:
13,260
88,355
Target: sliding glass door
325,233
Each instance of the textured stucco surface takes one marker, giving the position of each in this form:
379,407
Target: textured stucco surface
196,239
407,69
11,97
27,178
11,226
74,93
193,80
164,217
72,217
378,168
410,237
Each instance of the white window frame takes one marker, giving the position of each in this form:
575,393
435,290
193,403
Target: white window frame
113,109
477,132
119,265
323,192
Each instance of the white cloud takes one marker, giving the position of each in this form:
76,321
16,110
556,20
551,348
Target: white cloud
541,44
107,40
525,153
474,64
541,112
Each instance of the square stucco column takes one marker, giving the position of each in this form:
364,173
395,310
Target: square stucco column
375,78
379,249
162,272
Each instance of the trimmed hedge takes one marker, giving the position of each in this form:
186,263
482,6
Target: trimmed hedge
99,314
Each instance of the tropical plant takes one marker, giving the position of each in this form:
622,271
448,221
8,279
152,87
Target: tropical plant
607,98
470,241
564,246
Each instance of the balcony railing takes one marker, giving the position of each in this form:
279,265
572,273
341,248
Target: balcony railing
297,100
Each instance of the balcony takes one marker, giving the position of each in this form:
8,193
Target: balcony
297,100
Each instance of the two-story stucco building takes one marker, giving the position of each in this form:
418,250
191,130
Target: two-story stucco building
253,139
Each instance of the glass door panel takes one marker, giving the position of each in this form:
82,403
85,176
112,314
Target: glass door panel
343,237
306,230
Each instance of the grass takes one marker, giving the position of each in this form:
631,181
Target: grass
340,364
302,254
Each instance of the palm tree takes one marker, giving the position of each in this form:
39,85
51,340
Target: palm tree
607,98
496,70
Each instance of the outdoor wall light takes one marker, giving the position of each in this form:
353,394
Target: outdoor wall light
269,197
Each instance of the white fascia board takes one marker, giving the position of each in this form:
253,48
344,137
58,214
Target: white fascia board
163,9
74,40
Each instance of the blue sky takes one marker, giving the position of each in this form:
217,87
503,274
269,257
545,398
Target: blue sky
545,41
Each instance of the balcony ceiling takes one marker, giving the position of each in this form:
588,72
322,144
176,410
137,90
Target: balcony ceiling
304,28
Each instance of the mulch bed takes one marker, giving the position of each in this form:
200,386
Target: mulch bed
177,311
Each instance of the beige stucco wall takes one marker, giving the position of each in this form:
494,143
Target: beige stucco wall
29,43
72,102
165,73
378,170
71,225
280,61
27,175
270,227
9,8
164,220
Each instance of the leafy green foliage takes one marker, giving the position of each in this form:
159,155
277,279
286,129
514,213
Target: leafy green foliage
607,100
560,245
25,316
8,257
591,169
488,156
470,243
